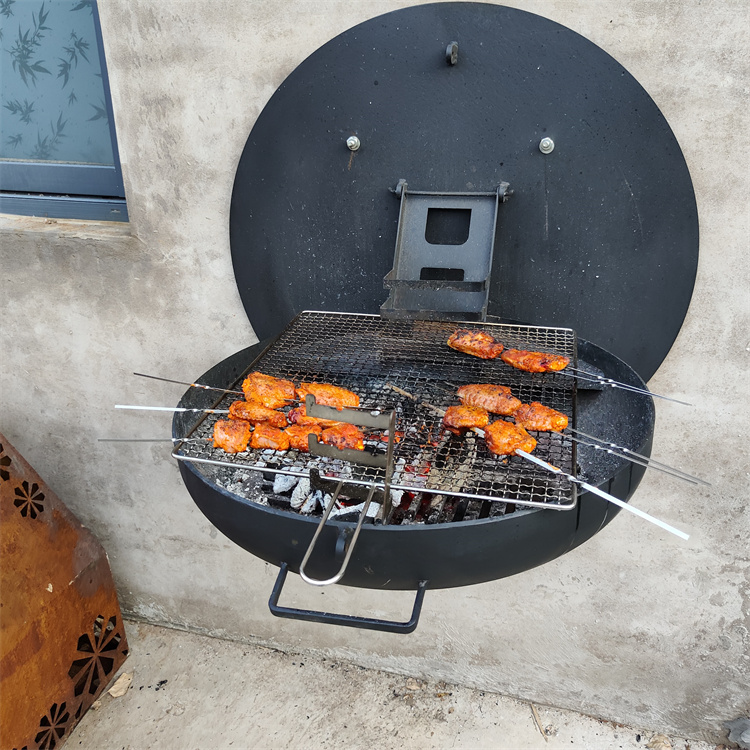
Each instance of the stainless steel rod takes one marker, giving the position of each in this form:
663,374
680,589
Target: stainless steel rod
170,408
153,440
573,372
193,385
639,461
610,498
653,463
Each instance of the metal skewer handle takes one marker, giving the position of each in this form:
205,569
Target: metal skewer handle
573,372
610,498
637,458
192,385
154,440
171,408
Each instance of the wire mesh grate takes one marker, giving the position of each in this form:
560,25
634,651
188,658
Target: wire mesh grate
369,355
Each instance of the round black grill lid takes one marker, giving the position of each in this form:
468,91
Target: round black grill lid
600,234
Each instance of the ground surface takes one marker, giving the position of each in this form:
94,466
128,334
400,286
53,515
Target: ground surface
191,692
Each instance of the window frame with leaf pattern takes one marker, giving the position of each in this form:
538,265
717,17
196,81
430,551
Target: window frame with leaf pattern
50,188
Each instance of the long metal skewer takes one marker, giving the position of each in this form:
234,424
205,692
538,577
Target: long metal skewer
571,478
632,455
610,498
574,372
171,408
640,462
193,385
153,440
610,448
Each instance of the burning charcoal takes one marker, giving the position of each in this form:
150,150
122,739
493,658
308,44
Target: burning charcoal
497,509
252,482
396,497
473,510
301,491
284,483
310,505
279,501
343,514
432,514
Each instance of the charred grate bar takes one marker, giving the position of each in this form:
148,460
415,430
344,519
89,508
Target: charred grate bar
368,354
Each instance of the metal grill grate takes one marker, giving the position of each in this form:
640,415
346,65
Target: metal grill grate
368,354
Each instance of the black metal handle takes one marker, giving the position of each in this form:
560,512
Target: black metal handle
330,618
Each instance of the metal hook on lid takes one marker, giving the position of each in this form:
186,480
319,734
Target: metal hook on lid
451,53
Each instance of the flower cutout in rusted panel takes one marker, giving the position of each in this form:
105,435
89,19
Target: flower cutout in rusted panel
4,464
94,668
52,727
29,500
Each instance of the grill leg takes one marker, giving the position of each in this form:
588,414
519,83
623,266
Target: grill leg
330,618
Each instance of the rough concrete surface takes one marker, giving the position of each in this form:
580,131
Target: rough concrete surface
189,692
635,626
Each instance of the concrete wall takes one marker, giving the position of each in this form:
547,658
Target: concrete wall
635,626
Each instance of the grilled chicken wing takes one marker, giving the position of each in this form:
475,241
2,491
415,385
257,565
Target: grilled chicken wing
231,435
504,438
265,436
534,361
476,343
495,398
536,416
329,395
272,392
255,413
344,435
458,419
297,434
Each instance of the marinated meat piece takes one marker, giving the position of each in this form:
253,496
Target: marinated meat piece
231,435
495,398
344,435
265,436
299,416
534,361
297,434
504,438
536,416
272,392
255,413
458,419
476,343
328,395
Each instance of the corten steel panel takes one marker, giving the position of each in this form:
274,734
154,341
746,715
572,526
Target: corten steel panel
61,631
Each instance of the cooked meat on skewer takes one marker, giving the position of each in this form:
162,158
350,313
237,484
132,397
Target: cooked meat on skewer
328,395
299,416
297,434
458,419
265,436
504,438
272,392
255,413
476,343
344,435
536,416
231,435
495,398
534,361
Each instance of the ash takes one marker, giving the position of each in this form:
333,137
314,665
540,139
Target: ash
288,493
295,495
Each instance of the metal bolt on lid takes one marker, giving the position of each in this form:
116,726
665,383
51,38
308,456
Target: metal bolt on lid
546,145
353,143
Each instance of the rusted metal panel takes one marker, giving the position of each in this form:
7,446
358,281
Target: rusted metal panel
61,630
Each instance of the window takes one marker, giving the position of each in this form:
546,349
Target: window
58,151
